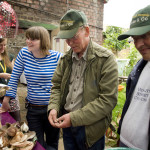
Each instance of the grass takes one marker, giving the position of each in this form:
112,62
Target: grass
112,136
121,100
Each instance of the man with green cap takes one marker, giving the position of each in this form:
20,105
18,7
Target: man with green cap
134,126
85,85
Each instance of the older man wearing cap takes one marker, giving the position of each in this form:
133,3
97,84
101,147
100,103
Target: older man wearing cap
134,126
84,90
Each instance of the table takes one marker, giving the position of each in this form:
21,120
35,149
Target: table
5,117
122,79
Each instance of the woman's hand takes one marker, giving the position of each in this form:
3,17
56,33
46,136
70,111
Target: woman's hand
5,104
5,75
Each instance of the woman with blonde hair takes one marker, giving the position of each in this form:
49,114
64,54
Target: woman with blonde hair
6,66
38,64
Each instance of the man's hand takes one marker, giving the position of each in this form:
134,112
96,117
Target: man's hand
64,121
5,104
53,117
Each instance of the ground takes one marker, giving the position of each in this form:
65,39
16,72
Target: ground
22,93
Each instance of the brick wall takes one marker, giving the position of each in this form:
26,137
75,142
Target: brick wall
50,11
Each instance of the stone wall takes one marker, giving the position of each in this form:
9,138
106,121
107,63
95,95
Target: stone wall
50,12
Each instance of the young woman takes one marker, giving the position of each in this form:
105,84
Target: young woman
6,65
38,64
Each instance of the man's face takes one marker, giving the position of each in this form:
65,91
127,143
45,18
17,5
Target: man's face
79,42
142,44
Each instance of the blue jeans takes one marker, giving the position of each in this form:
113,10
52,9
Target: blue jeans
74,139
47,135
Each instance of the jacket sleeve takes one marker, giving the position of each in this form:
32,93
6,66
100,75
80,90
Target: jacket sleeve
102,106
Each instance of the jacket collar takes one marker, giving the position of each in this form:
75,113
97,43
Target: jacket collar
139,67
89,52
93,50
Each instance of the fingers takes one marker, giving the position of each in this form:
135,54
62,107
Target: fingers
64,121
5,104
8,76
61,122
60,119
53,117
5,107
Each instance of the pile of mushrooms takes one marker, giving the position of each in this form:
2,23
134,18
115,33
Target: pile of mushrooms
17,136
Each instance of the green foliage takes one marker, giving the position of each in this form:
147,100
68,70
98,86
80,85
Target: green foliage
116,115
110,39
117,111
134,56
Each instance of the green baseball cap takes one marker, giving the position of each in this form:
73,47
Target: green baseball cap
139,25
70,23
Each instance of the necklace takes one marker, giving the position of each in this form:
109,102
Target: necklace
3,67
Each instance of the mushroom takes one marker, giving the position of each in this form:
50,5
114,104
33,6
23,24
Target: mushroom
28,147
30,135
3,141
21,144
24,127
19,137
8,148
11,131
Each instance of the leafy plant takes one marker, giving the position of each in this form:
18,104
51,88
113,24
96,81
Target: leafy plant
111,134
110,39
134,56
117,111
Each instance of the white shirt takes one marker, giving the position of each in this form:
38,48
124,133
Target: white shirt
135,125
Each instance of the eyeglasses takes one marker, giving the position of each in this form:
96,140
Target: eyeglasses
74,38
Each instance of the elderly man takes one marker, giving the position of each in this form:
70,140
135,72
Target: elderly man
84,88
134,126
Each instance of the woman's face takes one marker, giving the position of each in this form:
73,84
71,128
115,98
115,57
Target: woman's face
3,46
33,45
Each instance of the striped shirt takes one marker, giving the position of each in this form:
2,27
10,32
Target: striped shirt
38,73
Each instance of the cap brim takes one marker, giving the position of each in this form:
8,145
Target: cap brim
66,34
134,31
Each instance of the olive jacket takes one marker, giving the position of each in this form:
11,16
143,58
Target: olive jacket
99,92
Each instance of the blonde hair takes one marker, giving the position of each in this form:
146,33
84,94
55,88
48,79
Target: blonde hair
5,55
40,33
